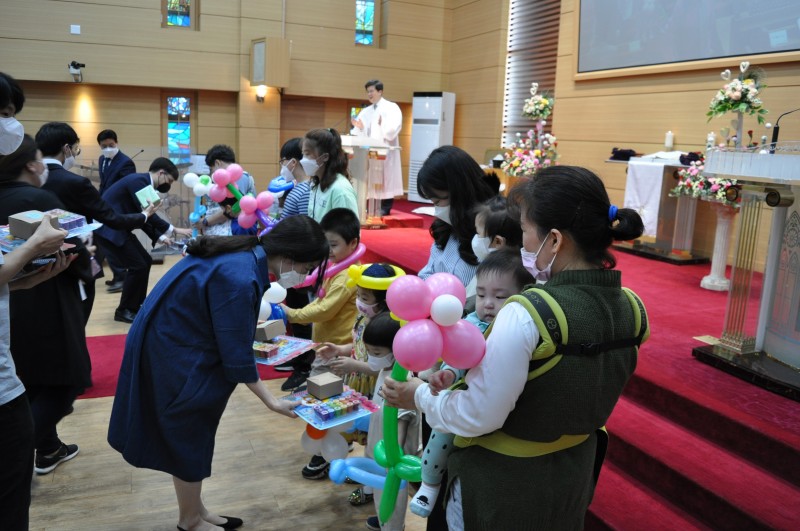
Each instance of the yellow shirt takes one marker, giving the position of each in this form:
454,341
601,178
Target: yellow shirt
333,315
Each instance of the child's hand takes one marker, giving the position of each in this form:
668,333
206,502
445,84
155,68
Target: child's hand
441,380
342,365
328,351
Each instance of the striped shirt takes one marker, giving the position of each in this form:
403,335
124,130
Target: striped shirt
448,260
296,201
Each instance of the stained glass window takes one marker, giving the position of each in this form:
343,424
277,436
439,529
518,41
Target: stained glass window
365,22
178,13
179,130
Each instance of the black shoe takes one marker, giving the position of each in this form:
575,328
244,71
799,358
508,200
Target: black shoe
124,316
115,287
232,522
317,468
47,463
110,281
295,380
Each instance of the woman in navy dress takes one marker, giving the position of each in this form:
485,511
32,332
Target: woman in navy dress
192,343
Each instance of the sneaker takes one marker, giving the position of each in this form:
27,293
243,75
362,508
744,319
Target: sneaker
295,380
317,468
47,463
359,497
373,523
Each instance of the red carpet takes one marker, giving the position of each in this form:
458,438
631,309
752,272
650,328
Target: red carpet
106,354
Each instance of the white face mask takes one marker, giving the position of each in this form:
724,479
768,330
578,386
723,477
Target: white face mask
110,152
310,166
529,263
11,134
480,246
443,213
43,175
379,363
286,173
69,162
290,278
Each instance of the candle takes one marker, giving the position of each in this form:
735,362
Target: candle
668,140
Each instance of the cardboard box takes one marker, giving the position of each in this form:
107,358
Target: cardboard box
270,329
24,224
325,385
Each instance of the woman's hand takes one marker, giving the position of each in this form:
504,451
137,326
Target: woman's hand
400,394
441,380
45,272
285,407
342,365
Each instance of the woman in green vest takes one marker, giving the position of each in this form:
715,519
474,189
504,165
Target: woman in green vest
529,419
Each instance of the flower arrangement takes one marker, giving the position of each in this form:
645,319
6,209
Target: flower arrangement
530,153
741,94
693,183
538,106
536,149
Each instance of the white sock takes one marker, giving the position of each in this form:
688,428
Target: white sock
367,489
423,501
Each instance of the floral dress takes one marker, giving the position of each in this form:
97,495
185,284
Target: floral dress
363,383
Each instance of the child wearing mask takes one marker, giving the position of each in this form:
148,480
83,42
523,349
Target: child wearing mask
500,275
378,338
352,360
332,315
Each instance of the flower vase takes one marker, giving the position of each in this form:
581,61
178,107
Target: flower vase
716,280
739,128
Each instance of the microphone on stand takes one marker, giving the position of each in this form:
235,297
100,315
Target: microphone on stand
776,129
142,151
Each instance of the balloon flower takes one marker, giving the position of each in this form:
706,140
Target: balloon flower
200,185
254,208
416,347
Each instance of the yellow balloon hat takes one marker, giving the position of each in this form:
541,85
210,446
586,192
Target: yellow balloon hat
357,277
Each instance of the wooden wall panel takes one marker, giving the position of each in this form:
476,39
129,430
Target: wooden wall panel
413,19
477,18
102,24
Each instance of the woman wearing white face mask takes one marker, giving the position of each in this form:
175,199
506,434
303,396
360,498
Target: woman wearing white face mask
457,185
523,422
13,99
172,392
325,162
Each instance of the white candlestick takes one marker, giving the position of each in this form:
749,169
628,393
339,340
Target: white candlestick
668,140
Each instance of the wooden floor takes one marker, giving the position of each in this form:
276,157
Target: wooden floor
255,475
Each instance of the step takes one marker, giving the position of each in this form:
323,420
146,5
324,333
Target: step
766,444
621,502
705,480
400,219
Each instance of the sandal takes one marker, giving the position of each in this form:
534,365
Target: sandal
359,497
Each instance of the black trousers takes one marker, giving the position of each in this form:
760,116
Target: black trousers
16,447
49,404
135,261
386,206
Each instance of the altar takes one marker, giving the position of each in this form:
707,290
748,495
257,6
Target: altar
365,164
761,334
668,220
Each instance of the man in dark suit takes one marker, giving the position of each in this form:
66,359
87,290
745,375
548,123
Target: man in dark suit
122,248
56,141
113,165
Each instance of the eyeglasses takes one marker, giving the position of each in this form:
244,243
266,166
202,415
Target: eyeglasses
75,150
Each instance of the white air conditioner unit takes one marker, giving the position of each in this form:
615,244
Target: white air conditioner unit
431,126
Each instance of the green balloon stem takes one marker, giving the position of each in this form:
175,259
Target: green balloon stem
235,209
